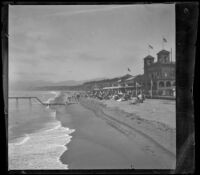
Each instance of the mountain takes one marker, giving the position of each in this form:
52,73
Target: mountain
95,79
32,85
48,85
66,83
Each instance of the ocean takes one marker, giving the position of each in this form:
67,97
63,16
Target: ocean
36,139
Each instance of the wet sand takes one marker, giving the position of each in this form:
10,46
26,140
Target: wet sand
98,143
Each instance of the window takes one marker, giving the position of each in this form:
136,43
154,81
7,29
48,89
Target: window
168,84
161,84
166,59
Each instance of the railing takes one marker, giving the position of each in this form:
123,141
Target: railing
47,104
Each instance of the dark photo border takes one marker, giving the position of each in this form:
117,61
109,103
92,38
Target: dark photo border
186,42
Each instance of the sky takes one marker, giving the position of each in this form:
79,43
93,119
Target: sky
81,42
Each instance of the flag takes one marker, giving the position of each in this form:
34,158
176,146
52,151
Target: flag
129,70
164,40
150,46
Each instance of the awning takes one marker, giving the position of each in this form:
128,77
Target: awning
96,89
131,78
119,87
113,87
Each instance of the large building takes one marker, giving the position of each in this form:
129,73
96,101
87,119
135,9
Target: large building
159,76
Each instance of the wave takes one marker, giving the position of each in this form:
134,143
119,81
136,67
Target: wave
41,149
56,125
20,140
55,93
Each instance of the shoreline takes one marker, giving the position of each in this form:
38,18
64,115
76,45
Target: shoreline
81,136
43,142
41,151
100,135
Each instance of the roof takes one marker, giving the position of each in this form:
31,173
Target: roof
118,87
149,57
113,87
96,89
163,52
131,78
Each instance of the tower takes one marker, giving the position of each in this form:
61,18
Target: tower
148,63
163,57
148,60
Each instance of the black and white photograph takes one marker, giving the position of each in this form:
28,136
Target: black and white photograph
92,87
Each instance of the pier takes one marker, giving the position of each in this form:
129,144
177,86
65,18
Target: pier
36,98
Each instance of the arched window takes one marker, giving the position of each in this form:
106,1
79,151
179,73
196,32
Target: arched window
168,84
161,84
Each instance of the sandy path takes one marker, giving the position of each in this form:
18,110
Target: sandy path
98,143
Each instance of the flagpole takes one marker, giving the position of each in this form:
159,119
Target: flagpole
151,89
171,55
136,88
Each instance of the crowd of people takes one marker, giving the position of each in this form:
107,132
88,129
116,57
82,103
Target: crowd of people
74,98
118,95
134,97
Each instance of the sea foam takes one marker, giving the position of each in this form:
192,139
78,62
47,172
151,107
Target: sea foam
41,149
22,140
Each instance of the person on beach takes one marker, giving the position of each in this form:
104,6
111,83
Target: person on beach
73,98
140,98
69,99
143,96
78,97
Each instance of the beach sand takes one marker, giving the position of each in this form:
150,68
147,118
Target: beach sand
102,143
163,111
106,136
159,132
